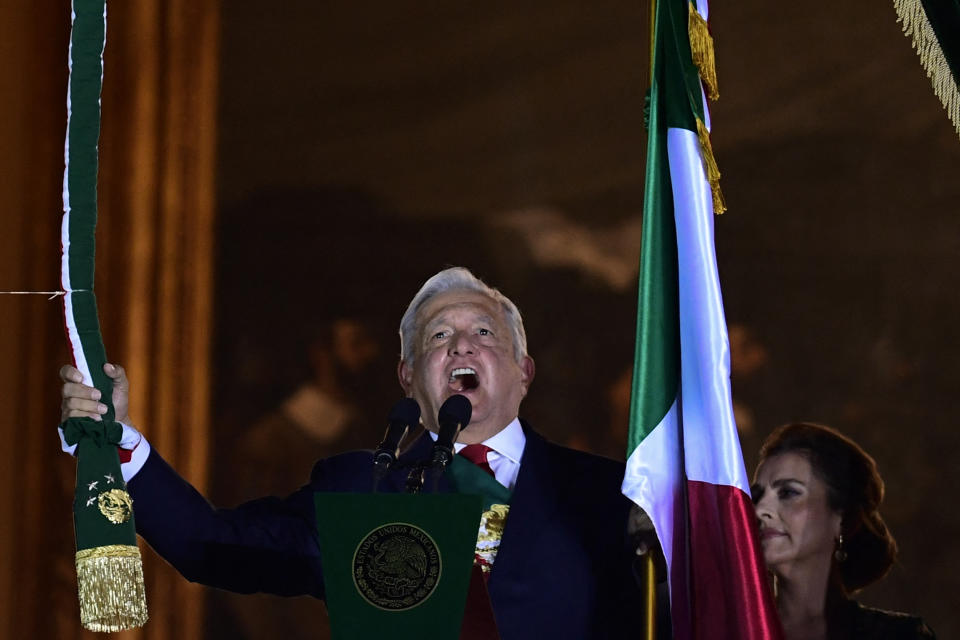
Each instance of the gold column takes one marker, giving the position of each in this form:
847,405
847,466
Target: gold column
154,287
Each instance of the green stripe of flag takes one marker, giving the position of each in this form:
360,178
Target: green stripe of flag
681,94
675,101
656,369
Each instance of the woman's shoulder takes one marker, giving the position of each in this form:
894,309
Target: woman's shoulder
868,622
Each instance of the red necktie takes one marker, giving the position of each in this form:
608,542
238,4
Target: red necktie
477,454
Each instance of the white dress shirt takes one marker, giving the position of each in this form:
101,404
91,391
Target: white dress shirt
504,460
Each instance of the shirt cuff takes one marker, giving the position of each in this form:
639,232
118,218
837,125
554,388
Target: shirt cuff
135,450
133,441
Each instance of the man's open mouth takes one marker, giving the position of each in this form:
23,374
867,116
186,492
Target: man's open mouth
463,379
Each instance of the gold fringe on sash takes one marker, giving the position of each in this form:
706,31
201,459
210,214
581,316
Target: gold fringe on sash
917,27
110,580
701,46
711,168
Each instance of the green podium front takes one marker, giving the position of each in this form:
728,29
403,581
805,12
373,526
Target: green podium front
396,565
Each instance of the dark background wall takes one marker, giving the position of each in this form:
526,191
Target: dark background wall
509,137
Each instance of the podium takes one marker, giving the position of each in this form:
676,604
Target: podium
400,565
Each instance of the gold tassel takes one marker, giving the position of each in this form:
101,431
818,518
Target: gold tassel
111,589
710,167
917,27
701,46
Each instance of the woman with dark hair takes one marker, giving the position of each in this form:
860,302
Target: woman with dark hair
817,497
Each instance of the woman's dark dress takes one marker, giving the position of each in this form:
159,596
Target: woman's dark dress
858,622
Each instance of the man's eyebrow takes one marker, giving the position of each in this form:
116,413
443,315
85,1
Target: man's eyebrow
434,321
442,319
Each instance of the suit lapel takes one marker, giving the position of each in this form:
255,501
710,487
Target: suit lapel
534,503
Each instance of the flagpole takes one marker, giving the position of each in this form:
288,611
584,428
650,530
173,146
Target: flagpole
649,570
649,597
653,29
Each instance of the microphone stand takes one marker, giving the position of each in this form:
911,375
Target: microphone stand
440,458
416,477
454,414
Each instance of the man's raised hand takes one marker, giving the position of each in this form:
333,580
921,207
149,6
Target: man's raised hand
80,400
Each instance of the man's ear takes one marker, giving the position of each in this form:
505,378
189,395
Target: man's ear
527,369
405,375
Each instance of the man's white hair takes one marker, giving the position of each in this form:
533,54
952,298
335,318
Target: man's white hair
458,279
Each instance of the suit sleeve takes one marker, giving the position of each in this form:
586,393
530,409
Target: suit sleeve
267,545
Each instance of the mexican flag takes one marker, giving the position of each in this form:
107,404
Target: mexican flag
684,465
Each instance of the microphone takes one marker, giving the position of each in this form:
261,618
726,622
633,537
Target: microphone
404,414
453,416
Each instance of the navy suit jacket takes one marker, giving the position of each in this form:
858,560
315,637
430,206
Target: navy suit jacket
563,570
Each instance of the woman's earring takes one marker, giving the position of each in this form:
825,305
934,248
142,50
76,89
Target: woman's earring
840,554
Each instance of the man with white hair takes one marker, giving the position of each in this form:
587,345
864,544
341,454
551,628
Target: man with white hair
563,566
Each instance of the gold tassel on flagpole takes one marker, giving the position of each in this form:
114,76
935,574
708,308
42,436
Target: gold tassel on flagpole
110,580
711,168
916,26
701,46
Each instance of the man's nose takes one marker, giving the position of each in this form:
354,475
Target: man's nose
461,344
